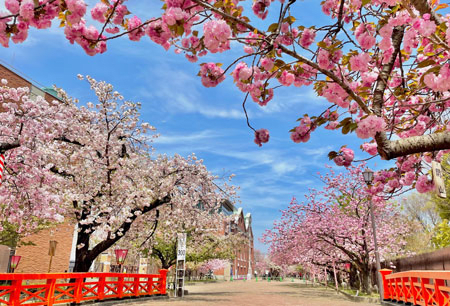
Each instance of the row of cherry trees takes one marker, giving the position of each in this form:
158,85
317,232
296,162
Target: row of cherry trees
382,65
332,227
94,164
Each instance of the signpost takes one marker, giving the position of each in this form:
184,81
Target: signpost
438,180
51,252
181,264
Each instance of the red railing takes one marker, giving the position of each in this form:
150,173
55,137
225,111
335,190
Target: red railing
57,288
417,287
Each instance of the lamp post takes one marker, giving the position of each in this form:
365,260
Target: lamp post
121,254
368,178
14,262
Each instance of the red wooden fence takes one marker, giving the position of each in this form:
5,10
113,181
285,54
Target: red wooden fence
57,288
417,287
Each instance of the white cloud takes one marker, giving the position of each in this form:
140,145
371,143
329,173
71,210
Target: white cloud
187,98
187,138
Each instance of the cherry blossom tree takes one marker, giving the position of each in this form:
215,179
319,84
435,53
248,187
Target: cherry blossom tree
212,265
28,190
112,179
155,234
95,163
381,64
332,227
261,262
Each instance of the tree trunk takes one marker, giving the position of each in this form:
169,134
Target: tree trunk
84,255
365,281
82,265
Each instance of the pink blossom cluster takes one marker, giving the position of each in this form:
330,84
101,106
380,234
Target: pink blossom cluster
211,74
302,133
77,9
345,157
216,34
98,12
440,82
84,36
307,37
159,32
261,136
360,62
212,265
369,126
260,8
26,17
370,147
423,184
424,25
135,23
365,35
252,80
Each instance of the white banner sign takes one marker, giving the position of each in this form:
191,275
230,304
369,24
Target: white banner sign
181,248
438,180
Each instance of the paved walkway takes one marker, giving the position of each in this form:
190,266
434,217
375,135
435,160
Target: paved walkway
241,293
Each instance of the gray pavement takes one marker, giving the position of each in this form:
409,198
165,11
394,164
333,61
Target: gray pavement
256,293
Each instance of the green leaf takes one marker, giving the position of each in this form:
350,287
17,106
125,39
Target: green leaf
273,27
426,63
346,129
322,44
290,19
332,155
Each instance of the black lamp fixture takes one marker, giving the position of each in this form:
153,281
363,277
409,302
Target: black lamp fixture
368,176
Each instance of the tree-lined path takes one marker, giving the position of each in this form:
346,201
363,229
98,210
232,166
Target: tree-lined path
257,293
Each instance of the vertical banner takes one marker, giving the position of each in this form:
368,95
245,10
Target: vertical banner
180,269
181,247
438,179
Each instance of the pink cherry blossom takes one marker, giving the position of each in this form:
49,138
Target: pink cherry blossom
369,126
216,36
211,74
261,136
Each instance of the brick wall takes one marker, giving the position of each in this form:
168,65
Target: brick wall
14,80
35,258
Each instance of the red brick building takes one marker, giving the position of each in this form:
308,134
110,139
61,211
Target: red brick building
242,266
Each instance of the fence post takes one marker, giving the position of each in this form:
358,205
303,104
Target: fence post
50,291
386,288
149,286
78,290
423,291
136,285
412,281
162,288
14,297
437,290
101,287
120,281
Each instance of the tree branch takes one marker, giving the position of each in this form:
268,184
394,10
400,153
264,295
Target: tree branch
424,8
9,146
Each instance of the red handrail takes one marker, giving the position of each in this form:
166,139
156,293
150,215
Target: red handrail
57,288
417,287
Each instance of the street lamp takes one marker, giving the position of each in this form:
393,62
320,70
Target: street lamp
121,254
368,178
14,262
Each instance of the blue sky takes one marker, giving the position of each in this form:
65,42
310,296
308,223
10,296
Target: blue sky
190,118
